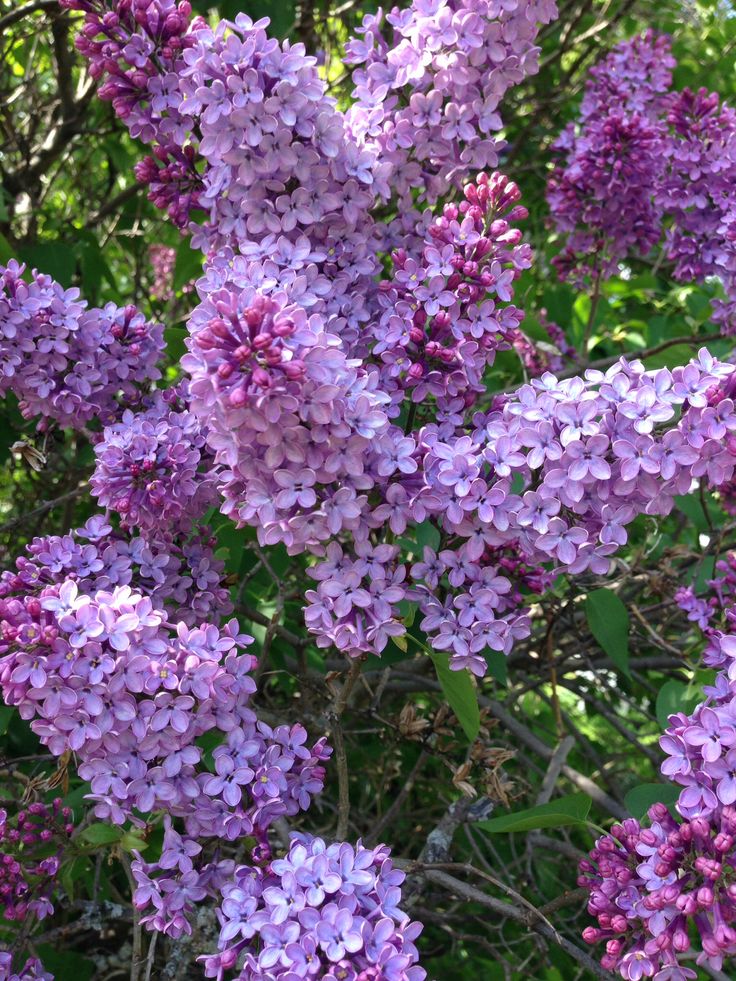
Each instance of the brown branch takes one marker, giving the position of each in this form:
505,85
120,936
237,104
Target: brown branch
30,8
532,919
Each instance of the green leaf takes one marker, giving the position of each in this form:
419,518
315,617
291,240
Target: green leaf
427,536
188,264
640,799
175,346
66,965
671,357
675,696
101,834
54,258
609,623
459,690
234,540
498,666
131,842
6,714
560,813
6,250
692,508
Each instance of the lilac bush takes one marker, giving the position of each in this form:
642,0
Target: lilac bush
358,285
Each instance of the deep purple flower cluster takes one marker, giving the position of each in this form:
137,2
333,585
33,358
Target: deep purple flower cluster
28,866
654,888
135,48
152,467
447,309
698,193
326,911
647,165
602,192
66,362
32,970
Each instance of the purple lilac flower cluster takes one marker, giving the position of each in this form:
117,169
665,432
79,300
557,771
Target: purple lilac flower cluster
153,468
428,87
323,910
283,187
647,165
135,48
181,574
654,888
601,193
27,870
447,309
298,402
103,673
32,970
66,362
163,262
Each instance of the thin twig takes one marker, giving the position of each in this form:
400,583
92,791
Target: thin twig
137,958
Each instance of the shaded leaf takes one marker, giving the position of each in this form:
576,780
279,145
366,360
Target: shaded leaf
675,696
560,813
608,620
101,834
640,799
459,690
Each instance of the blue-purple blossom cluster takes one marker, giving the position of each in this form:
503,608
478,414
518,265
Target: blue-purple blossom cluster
68,363
327,911
647,165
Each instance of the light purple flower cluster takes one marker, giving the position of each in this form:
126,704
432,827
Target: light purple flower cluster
152,467
655,888
428,87
327,911
646,165
288,414
32,970
66,362
181,575
584,456
28,869
104,674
